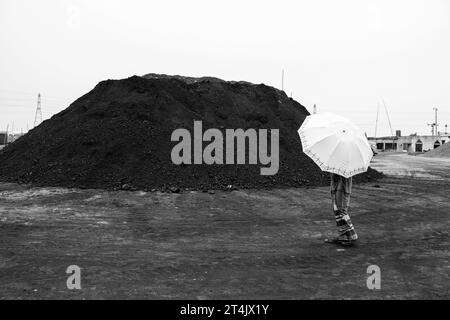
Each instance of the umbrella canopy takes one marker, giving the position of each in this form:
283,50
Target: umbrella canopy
335,144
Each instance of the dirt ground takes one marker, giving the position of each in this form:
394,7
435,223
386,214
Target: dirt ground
241,244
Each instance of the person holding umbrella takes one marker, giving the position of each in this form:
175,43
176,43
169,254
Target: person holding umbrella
337,146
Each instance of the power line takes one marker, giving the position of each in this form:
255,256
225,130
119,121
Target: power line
28,93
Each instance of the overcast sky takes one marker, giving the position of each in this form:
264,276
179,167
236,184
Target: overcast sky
345,56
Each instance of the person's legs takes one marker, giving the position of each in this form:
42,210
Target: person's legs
343,222
340,195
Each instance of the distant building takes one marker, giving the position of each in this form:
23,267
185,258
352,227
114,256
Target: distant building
3,138
412,143
6,138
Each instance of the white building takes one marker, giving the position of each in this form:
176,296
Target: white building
411,143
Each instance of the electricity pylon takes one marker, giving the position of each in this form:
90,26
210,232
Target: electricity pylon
38,115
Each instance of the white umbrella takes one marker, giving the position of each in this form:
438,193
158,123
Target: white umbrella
335,144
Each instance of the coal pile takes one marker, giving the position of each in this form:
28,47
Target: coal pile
118,136
440,152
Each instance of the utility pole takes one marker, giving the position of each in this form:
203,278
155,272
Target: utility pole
432,128
436,121
38,115
282,79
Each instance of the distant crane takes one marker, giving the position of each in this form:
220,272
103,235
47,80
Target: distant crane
389,119
390,125
38,114
376,122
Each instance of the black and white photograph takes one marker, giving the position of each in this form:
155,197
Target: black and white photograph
224,155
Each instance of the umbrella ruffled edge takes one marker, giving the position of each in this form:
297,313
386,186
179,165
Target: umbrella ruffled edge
324,167
300,130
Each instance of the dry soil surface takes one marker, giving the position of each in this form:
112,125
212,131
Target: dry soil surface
240,244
